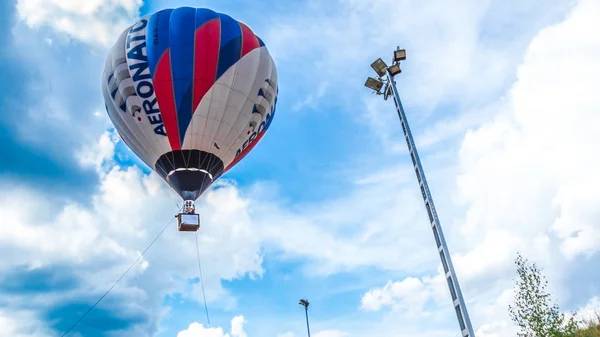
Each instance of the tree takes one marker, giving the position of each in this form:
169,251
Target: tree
533,311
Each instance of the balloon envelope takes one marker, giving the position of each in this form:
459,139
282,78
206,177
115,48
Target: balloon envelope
191,92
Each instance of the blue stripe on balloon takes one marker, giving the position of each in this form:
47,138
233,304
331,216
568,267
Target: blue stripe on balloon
260,42
203,15
231,44
157,38
183,21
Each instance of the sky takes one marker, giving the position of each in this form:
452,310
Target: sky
501,97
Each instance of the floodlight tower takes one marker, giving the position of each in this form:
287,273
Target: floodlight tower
305,304
385,81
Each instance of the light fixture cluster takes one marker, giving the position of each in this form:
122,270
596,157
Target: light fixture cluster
382,69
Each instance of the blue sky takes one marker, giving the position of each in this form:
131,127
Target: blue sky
501,100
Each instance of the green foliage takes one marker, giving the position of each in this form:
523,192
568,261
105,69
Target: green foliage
533,311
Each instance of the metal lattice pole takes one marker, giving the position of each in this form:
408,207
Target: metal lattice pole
457,298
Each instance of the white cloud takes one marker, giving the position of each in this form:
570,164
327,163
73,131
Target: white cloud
103,151
91,21
496,329
577,224
408,295
198,330
330,333
20,323
287,334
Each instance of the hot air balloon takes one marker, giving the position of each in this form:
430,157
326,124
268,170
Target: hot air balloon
191,92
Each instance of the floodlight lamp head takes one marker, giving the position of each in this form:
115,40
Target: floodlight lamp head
379,66
395,69
374,84
399,55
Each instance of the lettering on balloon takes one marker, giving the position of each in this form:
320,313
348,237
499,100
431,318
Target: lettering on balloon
264,124
137,59
261,128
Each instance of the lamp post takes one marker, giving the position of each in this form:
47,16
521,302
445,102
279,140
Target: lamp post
305,304
385,80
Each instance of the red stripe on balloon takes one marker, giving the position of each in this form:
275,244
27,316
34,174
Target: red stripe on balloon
206,56
249,40
246,151
163,86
